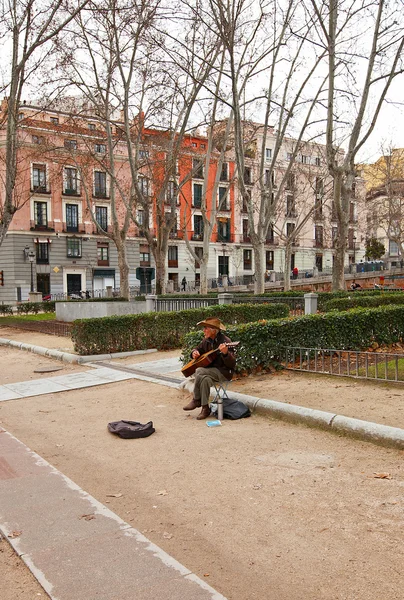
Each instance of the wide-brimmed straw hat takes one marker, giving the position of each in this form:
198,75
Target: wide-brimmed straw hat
212,322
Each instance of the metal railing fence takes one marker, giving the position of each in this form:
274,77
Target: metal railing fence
380,366
296,305
176,304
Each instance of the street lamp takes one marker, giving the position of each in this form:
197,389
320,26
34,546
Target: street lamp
31,258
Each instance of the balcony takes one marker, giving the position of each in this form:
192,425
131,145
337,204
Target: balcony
173,264
176,235
70,192
246,239
101,194
40,189
98,230
49,226
197,236
318,243
291,214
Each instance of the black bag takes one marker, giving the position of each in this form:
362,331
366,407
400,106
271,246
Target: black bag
131,429
234,409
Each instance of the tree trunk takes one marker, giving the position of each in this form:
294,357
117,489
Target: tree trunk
259,262
204,279
123,269
286,275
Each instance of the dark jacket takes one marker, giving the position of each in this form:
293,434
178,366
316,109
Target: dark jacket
224,362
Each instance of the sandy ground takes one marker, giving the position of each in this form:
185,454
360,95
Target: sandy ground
260,508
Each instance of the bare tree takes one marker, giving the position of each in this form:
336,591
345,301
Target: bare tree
27,28
269,44
364,44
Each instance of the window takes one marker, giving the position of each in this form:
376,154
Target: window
269,178
270,234
223,203
54,120
70,144
269,260
21,116
393,248
199,253
224,173
100,148
318,161
197,168
194,145
198,227
42,253
290,206
143,154
103,254
246,231
41,214
334,235
318,236
247,259
247,176
140,217
91,126
100,184
144,256
70,181
72,217
101,216
172,192
304,159
223,265
173,256
38,139
144,186
223,230
203,146
73,246
290,181
39,178
246,201
289,155
268,153
290,227
197,197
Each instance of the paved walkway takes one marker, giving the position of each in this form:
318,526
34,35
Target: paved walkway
76,547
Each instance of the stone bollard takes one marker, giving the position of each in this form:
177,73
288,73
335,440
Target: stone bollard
109,291
151,300
225,298
310,304
35,297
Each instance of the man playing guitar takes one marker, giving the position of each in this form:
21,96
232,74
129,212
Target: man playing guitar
220,369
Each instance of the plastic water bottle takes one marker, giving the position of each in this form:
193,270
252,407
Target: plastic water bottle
214,423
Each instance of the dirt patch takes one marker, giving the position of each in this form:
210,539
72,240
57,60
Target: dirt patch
20,365
258,508
64,344
17,581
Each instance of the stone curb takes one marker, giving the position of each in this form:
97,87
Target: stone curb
68,357
364,430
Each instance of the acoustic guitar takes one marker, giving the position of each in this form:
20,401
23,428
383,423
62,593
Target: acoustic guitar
204,360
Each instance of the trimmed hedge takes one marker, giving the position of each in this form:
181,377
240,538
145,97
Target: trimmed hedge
6,309
35,307
159,330
262,343
363,300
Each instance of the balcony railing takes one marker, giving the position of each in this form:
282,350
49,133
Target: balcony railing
101,194
197,236
173,264
70,192
40,189
48,226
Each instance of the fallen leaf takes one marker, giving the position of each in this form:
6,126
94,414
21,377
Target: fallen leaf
257,486
206,574
167,536
114,495
162,493
381,475
87,517
15,534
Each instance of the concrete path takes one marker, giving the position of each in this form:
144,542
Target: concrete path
76,547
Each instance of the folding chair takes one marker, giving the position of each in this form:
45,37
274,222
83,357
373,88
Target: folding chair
220,395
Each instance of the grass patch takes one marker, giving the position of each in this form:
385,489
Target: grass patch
392,369
39,317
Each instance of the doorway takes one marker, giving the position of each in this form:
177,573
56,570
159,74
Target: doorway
73,284
43,283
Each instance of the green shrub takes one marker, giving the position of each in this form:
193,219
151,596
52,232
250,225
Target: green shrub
29,307
6,309
263,343
159,330
363,300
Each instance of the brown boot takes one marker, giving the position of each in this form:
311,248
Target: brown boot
192,405
205,412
